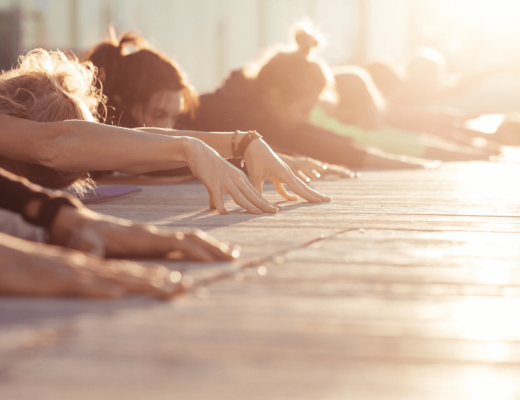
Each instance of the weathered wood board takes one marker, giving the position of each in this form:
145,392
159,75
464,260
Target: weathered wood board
406,286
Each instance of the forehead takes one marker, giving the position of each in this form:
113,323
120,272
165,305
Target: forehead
166,100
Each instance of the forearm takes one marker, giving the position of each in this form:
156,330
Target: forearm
85,146
143,169
35,205
218,141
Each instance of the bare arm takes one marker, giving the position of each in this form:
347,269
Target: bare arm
219,141
304,167
35,269
63,145
86,146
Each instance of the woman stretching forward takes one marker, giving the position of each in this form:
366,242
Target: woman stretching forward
48,133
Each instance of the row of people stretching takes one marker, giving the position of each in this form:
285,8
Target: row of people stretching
50,134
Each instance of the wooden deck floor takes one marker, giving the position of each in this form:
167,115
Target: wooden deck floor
406,286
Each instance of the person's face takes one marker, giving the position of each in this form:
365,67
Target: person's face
161,111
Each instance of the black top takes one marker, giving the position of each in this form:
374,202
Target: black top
234,107
16,192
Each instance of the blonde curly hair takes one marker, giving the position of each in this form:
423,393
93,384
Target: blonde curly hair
49,86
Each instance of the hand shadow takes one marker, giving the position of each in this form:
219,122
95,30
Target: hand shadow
209,219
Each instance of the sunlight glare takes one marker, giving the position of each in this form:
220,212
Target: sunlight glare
485,386
495,15
483,319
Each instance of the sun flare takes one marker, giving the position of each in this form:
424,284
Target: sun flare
493,15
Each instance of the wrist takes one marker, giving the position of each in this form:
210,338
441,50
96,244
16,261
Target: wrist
245,144
254,147
66,219
188,147
235,145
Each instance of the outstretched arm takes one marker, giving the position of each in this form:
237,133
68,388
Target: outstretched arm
86,146
36,269
72,225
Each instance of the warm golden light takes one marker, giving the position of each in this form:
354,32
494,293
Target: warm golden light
485,386
495,15
486,319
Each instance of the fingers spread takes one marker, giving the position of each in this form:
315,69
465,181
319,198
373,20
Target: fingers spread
242,201
313,163
220,250
250,185
339,170
307,170
144,280
218,200
191,250
253,197
316,174
257,184
301,189
280,188
303,175
211,200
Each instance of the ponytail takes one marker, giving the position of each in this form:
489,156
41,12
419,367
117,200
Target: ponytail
305,41
296,73
107,57
130,72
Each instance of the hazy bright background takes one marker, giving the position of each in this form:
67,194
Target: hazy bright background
209,38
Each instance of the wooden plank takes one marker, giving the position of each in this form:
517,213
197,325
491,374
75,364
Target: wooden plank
406,286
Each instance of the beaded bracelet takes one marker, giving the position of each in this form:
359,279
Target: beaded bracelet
233,150
244,144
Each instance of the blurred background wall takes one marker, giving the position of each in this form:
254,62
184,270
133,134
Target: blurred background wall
209,38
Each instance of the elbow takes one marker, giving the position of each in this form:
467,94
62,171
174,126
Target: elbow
57,153
51,154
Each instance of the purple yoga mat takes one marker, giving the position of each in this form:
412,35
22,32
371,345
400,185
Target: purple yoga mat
108,193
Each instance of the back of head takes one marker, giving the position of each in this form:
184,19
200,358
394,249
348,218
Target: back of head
295,74
48,87
426,70
130,72
509,130
359,100
386,76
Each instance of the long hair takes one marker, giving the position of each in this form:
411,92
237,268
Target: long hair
49,87
130,72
